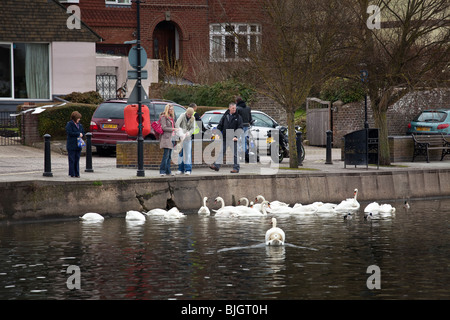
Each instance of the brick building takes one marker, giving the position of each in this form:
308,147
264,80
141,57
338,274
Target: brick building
194,32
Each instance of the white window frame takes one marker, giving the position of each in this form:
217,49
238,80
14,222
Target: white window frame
116,2
12,97
69,1
218,33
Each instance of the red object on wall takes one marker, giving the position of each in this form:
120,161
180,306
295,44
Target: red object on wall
132,120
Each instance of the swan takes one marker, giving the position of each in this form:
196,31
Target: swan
304,209
156,212
175,213
275,236
91,216
383,209
244,211
204,210
224,210
325,207
273,204
135,216
350,204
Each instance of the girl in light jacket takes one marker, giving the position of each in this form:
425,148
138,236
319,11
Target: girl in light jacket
166,142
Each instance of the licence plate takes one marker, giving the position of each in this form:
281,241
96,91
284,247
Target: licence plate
109,126
269,140
423,129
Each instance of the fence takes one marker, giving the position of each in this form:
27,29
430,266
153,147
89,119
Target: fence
9,130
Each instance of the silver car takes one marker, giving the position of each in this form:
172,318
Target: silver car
261,123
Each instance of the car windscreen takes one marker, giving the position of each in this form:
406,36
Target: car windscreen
431,116
211,117
110,110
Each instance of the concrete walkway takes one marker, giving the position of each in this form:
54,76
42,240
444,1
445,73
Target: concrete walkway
22,163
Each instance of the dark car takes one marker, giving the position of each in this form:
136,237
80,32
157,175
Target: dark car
108,125
430,122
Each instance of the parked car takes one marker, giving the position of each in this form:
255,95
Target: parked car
431,121
261,123
108,125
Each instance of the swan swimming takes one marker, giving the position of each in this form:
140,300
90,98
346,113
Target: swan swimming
204,210
133,215
273,204
350,204
275,236
243,211
92,216
224,211
374,207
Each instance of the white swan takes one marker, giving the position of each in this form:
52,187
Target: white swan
406,205
275,236
134,216
304,209
244,211
375,208
156,212
350,204
204,210
223,210
175,213
92,216
273,204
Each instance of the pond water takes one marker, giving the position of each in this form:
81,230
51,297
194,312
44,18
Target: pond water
210,258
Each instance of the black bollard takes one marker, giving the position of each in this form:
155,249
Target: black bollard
47,157
328,160
298,137
89,153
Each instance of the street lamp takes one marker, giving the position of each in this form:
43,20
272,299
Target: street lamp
364,79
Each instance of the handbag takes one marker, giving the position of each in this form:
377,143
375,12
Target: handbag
156,125
81,143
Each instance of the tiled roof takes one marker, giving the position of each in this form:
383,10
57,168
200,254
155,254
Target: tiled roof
39,20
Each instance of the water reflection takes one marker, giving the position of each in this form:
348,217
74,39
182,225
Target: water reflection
210,258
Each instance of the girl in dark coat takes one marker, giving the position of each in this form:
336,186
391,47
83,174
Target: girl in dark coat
74,130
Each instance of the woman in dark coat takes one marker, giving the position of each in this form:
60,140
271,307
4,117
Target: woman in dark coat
74,130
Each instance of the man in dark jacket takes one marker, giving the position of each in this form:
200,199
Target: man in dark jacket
230,123
246,114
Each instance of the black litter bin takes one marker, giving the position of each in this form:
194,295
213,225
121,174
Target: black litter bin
361,148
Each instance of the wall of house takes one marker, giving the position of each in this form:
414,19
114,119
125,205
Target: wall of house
73,67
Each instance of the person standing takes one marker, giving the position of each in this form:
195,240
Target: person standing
167,139
75,131
246,113
199,127
185,123
231,121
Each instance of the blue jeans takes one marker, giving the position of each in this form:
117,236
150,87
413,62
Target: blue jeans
243,146
164,168
185,156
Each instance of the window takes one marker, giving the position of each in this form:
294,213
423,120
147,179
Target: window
127,2
24,71
229,42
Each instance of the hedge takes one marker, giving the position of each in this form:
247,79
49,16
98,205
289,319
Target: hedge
53,120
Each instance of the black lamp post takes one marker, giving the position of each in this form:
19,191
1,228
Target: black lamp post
140,139
365,78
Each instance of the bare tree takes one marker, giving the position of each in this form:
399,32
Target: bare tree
304,43
407,50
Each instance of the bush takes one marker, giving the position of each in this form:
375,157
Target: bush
53,121
90,97
219,94
346,90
